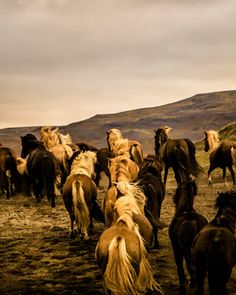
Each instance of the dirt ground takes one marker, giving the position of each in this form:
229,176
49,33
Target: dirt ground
38,257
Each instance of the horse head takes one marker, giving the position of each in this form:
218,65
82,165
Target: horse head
28,142
161,136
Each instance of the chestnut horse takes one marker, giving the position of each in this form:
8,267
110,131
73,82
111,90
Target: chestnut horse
220,154
80,192
121,253
116,145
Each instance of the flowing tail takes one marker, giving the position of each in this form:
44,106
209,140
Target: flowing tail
120,276
196,169
82,214
233,154
136,154
145,280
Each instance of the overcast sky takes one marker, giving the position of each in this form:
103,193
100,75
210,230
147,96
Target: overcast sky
63,61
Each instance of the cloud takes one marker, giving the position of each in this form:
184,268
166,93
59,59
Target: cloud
107,55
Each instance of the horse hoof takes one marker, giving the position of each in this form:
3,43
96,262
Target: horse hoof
73,235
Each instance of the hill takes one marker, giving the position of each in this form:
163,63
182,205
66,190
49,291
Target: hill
188,118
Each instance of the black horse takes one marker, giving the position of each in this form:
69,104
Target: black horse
184,226
149,179
9,176
214,247
41,167
178,154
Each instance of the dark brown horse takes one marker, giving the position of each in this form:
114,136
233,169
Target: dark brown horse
178,154
214,247
220,154
41,168
9,176
184,227
149,179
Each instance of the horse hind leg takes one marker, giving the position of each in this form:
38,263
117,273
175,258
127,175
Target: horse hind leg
232,174
183,283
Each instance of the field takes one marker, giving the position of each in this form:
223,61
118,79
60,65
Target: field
38,257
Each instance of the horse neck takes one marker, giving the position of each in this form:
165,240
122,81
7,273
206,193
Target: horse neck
185,203
89,171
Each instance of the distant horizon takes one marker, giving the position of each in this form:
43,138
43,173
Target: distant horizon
114,113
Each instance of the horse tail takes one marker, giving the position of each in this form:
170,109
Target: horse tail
136,154
182,161
12,174
81,210
49,178
233,155
196,169
145,280
120,276
217,266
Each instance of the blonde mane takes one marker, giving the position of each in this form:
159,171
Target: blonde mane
121,147
21,166
213,139
84,163
49,137
132,191
122,168
52,137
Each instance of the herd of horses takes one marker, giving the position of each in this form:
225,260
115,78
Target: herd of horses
131,208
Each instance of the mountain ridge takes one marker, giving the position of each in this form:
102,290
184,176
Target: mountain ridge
188,117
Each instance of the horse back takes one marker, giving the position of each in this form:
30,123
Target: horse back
184,227
88,185
41,160
215,247
222,157
132,243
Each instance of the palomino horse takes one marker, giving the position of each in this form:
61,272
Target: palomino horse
184,226
122,169
80,192
121,253
41,168
102,159
214,247
220,154
9,176
60,145
176,153
149,179
114,138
